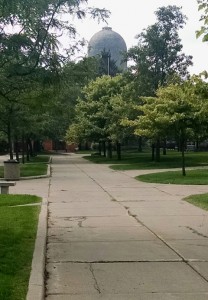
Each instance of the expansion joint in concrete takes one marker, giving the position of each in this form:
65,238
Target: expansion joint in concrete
183,259
112,198
155,234
196,232
117,261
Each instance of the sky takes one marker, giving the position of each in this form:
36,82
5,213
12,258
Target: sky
129,18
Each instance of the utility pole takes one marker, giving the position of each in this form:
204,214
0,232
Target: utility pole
108,64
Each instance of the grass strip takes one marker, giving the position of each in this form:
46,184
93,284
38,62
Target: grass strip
142,160
18,226
37,166
193,177
39,159
33,169
29,170
198,200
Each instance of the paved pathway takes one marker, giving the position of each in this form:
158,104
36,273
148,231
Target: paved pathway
111,237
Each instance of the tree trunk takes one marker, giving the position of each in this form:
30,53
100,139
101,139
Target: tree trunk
80,146
87,146
157,158
37,147
179,146
183,143
183,163
118,148
104,149
153,152
109,149
165,147
197,144
27,151
140,144
23,148
16,148
55,146
10,142
100,148
30,147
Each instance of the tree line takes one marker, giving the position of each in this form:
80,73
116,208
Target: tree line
32,67
44,93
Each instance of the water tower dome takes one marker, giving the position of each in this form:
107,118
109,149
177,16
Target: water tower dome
109,41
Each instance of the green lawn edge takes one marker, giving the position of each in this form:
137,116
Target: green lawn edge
142,160
193,177
200,200
37,166
18,229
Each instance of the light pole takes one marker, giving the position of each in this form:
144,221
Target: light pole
108,64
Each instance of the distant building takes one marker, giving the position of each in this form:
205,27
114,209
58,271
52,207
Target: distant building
109,41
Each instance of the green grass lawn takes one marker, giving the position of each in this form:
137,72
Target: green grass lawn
198,200
35,167
139,161
39,159
18,226
193,177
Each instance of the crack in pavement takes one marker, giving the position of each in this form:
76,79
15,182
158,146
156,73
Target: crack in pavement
95,280
196,232
183,259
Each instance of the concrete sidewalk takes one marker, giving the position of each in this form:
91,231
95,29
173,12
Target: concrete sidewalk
114,238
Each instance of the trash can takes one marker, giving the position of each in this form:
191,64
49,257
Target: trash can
11,170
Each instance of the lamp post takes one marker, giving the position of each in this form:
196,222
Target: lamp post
108,61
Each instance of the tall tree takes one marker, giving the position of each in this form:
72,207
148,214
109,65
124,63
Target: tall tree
99,112
158,54
29,32
180,110
59,111
36,26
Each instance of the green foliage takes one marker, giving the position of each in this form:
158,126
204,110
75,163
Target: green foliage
18,227
178,108
74,77
36,26
100,110
31,60
203,31
75,133
179,111
158,55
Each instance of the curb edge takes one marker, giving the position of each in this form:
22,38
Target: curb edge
36,287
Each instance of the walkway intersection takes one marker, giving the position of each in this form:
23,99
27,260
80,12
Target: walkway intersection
111,237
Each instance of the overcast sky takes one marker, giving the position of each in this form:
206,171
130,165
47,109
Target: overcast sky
128,18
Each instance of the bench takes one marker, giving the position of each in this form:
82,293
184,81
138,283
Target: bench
5,186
